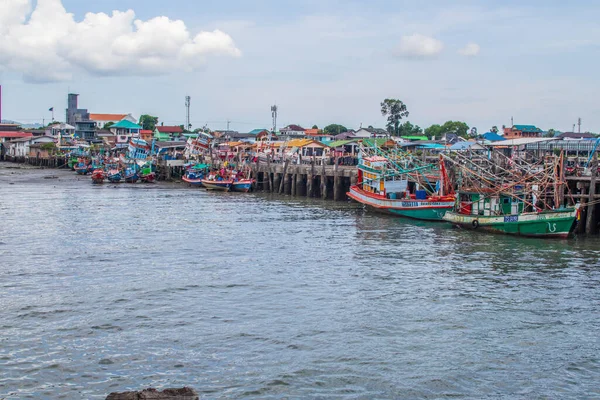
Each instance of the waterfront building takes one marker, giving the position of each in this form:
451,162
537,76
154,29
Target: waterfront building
80,118
102,119
20,147
166,133
522,131
60,129
292,132
371,133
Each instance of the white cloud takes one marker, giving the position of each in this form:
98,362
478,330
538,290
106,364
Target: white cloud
470,50
418,46
49,45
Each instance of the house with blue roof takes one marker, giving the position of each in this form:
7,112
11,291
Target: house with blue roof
492,137
123,131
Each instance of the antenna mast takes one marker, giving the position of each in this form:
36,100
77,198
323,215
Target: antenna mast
579,125
274,115
188,125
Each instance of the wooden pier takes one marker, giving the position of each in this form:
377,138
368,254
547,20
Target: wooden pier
333,181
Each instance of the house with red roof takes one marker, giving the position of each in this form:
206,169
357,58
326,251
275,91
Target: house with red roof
102,119
292,132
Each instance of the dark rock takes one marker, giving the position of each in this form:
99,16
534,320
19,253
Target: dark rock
153,394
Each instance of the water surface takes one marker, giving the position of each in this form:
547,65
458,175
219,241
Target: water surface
110,288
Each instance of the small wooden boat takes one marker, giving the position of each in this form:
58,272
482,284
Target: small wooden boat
131,176
148,177
243,185
81,169
98,176
114,176
192,181
193,178
217,185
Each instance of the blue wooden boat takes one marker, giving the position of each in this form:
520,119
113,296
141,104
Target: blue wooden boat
82,169
193,178
243,185
131,176
114,176
223,186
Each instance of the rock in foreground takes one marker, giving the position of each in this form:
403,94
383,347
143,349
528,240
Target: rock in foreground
153,394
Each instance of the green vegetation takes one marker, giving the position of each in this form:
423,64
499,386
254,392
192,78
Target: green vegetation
395,110
148,122
334,129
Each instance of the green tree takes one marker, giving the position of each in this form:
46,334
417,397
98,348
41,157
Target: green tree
148,122
494,129
395,110
408,129
434,131
108,125
457,127
550,133
315,127
334,129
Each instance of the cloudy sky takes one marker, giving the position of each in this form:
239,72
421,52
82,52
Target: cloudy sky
321,61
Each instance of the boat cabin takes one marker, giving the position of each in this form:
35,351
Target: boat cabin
476,203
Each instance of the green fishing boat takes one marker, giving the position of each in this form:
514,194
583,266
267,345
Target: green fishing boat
510,214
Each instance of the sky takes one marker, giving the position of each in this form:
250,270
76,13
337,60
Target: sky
321,62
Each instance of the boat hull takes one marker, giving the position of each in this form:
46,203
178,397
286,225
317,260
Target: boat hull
132,178
223,186
551,224
243,186
427,210
148,178
192,182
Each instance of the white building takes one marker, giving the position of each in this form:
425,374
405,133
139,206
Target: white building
370,133
102,119
20,147
60,129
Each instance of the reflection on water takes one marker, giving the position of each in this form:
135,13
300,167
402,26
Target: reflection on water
256,296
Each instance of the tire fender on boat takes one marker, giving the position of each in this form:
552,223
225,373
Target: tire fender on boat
475,223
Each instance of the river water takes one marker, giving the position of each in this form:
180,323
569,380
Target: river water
110,288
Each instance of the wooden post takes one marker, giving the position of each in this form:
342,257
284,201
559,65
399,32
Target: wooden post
323,181
284,177
300,185
294,183
310,181
267,182
336,181
583,212
590,224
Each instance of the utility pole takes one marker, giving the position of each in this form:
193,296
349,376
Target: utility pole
188,125
274,109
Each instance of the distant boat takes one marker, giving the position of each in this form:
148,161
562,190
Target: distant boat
81,169
243,185
114,176
217,185
131,176
148,177
193,178
98,176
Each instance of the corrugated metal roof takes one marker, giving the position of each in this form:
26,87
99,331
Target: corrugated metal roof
125,124
107,117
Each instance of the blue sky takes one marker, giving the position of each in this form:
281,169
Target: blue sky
320,61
